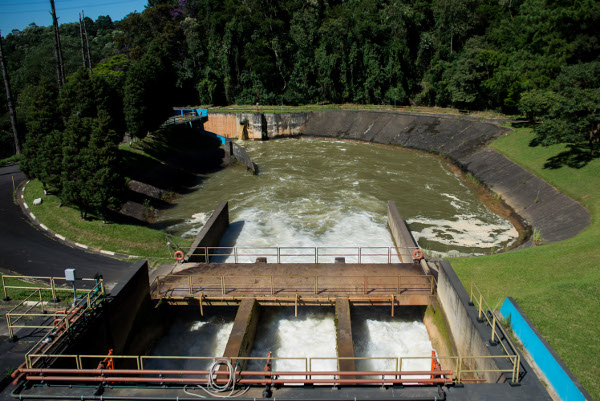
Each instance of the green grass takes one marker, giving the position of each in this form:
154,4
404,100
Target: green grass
325,107
121,238
557,285
11,160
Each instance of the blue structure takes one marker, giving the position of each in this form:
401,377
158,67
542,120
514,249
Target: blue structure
197,112
560,377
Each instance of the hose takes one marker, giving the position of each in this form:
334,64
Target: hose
213,388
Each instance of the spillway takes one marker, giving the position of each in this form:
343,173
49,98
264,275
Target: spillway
313,192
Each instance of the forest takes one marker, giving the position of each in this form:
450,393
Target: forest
539,59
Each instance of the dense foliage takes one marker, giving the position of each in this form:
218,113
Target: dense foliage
505,55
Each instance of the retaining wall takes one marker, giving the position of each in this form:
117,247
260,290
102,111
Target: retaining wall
345,345
255,125
464,140
211,234
462,321
243,332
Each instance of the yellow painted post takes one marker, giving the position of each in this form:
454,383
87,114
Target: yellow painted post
393,302
316,284
190,287
364,285
158,284
201,308
398,284
205,254
458,370
10,330
296,305
493,327
4,286
272,289
471,293
53,288
222,285
480,306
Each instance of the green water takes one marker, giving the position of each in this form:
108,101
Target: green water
312,192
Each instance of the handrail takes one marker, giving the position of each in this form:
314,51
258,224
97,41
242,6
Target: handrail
484,311
52,287
226,283
315,253
457,375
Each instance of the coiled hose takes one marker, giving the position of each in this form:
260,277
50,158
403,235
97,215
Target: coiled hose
213,388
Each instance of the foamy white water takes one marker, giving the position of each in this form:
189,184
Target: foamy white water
311,334
189,336
377,334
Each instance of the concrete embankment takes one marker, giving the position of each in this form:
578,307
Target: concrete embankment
464,141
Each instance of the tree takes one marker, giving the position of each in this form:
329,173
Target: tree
570,113
9,100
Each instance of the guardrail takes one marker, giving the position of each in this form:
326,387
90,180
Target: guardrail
52,287
206,284
291,254
84,303
137,365
485,313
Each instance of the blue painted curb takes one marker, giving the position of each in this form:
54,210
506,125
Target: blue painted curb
560,377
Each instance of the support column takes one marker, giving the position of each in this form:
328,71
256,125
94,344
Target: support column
242,334
345,346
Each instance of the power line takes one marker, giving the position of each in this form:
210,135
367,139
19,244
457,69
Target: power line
79,7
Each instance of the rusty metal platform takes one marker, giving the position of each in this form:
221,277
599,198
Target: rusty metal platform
296,283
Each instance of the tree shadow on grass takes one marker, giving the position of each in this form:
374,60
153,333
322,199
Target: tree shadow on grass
576,156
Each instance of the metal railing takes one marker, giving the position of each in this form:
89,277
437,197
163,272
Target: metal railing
292,254
52,286
138,365
268,284
485,313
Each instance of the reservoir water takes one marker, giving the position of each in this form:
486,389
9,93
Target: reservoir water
313,192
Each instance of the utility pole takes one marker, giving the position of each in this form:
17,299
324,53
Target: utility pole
87,41
81,39
60,69
11,106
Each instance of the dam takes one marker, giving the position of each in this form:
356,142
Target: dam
269,305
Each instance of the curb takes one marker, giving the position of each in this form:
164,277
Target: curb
27,212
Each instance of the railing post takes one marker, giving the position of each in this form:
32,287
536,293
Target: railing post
316,284
235,255
359,255
190,284
10,330
459,370
364,285
471,293
316,257
158,284
102,290
389,255
206,254
278,255
201,308
6,298
493,328
393,302
222,285
272,289
398,284
53,289
480,307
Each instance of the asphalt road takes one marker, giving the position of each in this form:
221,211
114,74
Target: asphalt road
27,250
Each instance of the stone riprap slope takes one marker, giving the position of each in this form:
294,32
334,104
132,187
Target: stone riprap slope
464,140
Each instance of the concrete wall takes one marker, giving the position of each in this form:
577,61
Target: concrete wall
467,334
255,126
464,140
243,332
403,239
128,323
211,233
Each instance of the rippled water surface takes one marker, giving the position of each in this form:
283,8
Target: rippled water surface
313,192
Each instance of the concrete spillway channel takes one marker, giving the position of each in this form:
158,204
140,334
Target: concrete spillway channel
289,331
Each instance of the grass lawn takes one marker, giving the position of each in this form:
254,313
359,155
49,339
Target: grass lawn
121,238
557,285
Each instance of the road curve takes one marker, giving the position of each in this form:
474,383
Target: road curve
26,250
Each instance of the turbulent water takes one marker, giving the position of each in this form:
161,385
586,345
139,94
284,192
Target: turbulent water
377,334
194,336
313,192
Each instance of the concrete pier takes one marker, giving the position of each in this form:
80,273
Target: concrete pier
242,334
210,235
345,345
